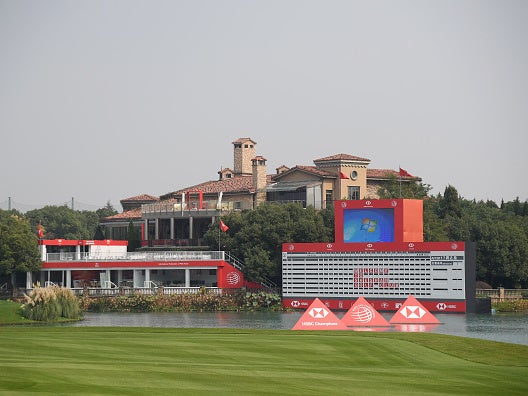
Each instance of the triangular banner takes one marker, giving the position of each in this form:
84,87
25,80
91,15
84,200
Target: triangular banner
319,317
361,313
413,312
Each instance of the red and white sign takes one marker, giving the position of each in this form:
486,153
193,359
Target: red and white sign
319,317
361,313
412,312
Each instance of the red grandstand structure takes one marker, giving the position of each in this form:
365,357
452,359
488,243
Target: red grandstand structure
106,266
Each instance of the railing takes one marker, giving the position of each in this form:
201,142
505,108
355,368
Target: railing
136,256
128,291
239,265
502,294
175,209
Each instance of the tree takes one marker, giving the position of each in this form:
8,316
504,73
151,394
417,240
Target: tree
60,222
395,188
18,245
107,211
63,222
450,203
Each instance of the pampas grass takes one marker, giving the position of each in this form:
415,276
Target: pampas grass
48,304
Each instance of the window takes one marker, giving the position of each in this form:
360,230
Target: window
329,198
353,192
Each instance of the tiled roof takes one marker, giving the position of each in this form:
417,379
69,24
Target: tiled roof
239,183
243,140
385,174
141,197
307,169
128,215
345,157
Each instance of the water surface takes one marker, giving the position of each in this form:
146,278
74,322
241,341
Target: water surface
512,328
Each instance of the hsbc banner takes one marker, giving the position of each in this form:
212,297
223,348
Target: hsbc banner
380,305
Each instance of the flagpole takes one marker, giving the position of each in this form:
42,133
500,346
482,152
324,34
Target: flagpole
218,236
399,173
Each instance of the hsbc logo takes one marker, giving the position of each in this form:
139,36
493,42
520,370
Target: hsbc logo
368,203
441,306
318,313
411,245
295,304
413,312
329,246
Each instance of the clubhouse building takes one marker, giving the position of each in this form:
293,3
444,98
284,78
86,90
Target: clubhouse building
181,218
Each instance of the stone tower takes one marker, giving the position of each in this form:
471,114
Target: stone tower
244,152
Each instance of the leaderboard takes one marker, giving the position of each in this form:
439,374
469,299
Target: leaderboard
384,272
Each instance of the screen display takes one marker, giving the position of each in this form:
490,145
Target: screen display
368,225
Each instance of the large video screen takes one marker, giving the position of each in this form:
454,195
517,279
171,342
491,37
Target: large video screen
368,225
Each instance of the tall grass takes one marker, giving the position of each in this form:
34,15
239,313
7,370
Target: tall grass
48,304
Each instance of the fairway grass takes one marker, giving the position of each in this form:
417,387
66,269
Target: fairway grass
152,361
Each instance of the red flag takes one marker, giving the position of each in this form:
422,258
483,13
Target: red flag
343,176
40,231
404,173
223,227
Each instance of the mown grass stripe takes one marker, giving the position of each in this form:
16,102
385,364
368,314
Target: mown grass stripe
134,361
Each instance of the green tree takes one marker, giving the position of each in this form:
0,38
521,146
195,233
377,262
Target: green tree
18,245
60,222
107,211
450,203
395,188
63,222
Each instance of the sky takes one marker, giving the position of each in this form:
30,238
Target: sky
105,100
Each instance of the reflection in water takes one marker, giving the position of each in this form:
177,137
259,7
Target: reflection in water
501,327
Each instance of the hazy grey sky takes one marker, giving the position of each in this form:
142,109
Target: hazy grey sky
103,100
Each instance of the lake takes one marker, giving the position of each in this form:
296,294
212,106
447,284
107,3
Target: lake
512,328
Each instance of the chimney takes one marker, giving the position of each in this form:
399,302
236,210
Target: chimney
259,179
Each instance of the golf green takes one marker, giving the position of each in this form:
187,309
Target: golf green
140,361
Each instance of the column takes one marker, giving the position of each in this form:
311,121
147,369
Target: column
77,252
156,229
147,277
29,280
190,227
68,279
187,277
138,278
172,228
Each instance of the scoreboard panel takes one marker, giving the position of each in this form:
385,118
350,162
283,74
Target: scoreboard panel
434,272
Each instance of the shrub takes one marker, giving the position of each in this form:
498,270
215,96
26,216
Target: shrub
50,303
511,306
203,301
